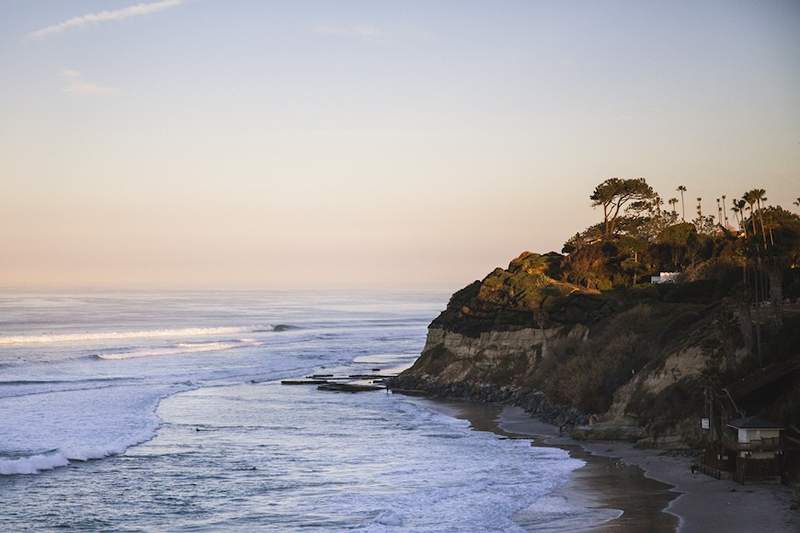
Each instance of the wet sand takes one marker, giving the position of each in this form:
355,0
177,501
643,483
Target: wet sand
615,496
707,504
651,491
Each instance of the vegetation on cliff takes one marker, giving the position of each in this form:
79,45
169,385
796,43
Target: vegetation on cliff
610,345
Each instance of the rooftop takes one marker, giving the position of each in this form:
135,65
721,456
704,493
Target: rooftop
753,422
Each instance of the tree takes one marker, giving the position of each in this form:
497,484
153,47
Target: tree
725,209
797,202
783,251
755,197
738,208
750,198
761,198
679,241
673,202
682,190
617,196
785,227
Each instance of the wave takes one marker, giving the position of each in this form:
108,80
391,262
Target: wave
180,348
37,462
32,464
91,424
142,334
63,381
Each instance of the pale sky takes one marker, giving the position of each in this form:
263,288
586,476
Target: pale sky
234,143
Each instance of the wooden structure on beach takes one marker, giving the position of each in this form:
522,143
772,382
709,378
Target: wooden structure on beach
749,449
754,449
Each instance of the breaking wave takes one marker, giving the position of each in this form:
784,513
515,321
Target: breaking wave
181,348
48,460
32,464
145,334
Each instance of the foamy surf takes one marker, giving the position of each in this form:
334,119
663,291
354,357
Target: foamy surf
32,464
39,462
178,349
142,334
82,425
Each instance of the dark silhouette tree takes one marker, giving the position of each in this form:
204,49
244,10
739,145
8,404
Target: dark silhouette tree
673,202
739,207
782,253
755,198
682,190
618,196
725,209
750,198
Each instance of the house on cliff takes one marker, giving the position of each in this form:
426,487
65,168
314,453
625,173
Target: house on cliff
665,277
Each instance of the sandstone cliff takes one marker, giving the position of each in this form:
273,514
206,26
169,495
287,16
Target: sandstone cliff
633,364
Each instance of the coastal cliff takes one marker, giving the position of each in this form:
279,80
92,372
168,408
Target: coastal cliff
634,363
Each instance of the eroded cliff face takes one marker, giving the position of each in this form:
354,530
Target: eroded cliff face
627,364
497,357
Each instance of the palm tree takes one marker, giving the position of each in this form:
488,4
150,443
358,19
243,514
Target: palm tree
725,210
738,209
699,207
750,198
719,211
682,189
758,196
736,213
672,202
761,198
657,203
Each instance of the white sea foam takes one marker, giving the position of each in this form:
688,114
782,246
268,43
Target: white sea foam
32,464
81,425
180,348
389,518
119,335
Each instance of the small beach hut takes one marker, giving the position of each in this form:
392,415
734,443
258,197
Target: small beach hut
755,446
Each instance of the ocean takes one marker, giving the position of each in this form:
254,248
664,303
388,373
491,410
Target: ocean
137,411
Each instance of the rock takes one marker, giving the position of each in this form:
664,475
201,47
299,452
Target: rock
410,392
303,382
637,359
348,387
610,430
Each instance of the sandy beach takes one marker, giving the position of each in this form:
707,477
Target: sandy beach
707,504
636,490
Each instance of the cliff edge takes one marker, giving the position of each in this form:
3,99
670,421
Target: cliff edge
635,363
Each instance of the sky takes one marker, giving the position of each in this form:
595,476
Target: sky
358,144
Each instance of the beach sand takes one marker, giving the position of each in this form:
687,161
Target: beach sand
613,496
635,490
707,504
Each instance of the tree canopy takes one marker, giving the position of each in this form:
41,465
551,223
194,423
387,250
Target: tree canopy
618,196
636,237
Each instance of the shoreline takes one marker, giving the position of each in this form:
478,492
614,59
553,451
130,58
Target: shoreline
704,503
613,496
679,500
